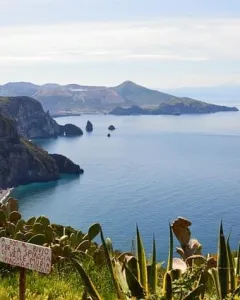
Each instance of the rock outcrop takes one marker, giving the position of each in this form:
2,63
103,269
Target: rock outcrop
89,126
65,165
32,121
70,130
22,162
111,128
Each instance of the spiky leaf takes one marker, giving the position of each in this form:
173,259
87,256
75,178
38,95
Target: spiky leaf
92,291
142,262
222,264
153,273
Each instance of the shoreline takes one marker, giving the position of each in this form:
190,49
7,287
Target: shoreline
4,194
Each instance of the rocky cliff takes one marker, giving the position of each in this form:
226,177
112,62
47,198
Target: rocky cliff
21,161
32,121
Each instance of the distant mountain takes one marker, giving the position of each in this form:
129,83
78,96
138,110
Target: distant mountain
140,95
75,98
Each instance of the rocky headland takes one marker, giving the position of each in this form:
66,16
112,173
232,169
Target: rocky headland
23,162
32,121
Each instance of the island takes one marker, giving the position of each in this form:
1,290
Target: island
123,99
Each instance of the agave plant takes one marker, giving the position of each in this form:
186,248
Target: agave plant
226,275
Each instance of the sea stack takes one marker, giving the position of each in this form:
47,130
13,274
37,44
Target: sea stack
89,126
111,127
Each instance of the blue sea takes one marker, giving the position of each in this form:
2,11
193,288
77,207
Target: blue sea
150,171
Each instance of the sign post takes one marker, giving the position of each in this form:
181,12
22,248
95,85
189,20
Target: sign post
25,256
22,284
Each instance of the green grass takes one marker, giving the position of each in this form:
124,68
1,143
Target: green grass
65,285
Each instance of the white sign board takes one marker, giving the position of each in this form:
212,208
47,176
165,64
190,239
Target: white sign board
25,255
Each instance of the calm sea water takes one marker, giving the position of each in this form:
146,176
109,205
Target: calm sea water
152,170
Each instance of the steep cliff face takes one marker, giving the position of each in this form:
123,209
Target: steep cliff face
32,121
22,162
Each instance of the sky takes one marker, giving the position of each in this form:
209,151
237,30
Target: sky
156,43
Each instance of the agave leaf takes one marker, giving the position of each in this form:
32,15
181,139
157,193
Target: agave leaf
214,274
120,274
119,293
142,262
167,286
222,264
194,295
92,291
134,285
170,253
132,265
153,274
238,261
231,267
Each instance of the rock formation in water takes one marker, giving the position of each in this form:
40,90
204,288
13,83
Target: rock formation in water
22,162
65,165
111,127
70,130
89,126
32,122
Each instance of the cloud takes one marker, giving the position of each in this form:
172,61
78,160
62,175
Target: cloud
170,52
168,39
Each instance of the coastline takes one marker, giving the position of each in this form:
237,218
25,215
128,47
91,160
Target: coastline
4,194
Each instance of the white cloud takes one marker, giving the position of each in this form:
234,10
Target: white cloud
190,40
157,46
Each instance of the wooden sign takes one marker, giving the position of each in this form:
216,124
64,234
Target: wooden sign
25,255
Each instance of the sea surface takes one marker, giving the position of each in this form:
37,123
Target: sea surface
150,171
